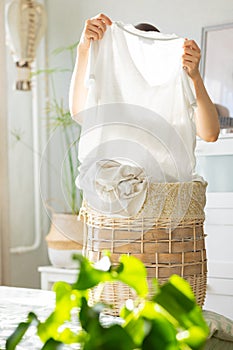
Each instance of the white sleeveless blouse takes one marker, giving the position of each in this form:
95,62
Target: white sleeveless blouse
139,113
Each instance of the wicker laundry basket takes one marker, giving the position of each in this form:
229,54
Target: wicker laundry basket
166,235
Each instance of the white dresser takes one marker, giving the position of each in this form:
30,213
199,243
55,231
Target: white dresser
215,164
51,274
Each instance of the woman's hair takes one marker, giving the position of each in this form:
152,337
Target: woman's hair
146,27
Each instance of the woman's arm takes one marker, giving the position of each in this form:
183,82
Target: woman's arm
94,30
206,116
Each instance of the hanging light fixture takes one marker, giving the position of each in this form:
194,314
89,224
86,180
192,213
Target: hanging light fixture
25,26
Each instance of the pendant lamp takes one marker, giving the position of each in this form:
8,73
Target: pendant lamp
25,26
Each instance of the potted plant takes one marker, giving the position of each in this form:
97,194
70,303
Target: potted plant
65,235
169,320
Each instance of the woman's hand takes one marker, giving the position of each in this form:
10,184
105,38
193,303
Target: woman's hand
191,58
94,29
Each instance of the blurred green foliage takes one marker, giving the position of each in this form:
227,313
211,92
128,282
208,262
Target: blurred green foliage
169,320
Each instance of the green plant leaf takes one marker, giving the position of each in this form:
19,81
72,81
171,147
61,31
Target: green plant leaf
151,310
135,327
52,344
162,336
100,338
66,300
114,338
133,274
178,304
195,337
143,318
177,299
183,286
19,332
89,316
50,71
125,312
88,276
148,310
59,50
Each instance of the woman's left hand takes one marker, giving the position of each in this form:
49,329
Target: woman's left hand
191,58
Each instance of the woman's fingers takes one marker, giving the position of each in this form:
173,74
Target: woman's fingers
94,29
93,32
104,18
96,22
191,49
191,57
191,44
192,52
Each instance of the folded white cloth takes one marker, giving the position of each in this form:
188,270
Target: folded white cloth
114,188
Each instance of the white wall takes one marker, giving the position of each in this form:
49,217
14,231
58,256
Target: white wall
24,185
65,23
185,18
4,202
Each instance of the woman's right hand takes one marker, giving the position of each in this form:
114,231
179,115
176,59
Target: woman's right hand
94,29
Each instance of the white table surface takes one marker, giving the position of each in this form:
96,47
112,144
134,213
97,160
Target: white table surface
15,304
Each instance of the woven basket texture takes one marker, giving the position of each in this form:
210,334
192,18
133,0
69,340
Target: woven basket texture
169,241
